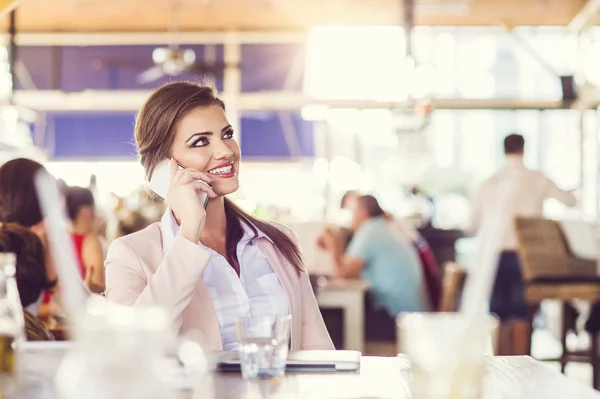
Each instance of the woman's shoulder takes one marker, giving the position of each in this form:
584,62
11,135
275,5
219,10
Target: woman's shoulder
285,229
150,236
91,241
280,226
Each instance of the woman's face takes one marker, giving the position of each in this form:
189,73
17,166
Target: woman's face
204,141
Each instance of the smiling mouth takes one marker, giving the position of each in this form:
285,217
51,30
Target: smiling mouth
223,170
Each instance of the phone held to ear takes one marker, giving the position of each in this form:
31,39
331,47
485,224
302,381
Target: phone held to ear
161,180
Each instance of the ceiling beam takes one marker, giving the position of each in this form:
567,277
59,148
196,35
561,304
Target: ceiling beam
153,38
585,16
132,100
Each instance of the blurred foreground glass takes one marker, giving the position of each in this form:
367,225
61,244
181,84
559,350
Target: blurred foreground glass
119,353
12,327
263,345
447,353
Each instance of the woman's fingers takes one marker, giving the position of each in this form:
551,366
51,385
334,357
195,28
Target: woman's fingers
184,176
200,186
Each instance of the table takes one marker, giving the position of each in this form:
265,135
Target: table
347,294
507,378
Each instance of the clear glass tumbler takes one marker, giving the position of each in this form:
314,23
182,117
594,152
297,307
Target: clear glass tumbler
263,344
447,352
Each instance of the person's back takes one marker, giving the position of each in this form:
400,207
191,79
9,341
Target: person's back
30,275
513,191
81,210
391,268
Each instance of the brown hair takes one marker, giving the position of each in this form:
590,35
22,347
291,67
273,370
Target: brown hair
371,205
514,144
31,270
76,198
154,132
18,196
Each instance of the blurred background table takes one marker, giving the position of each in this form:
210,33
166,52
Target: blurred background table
349,296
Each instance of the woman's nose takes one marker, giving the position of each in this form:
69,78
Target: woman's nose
223,151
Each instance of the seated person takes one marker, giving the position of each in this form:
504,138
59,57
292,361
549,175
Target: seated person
208,266
30,274
90,255
387,262
412,236
19,204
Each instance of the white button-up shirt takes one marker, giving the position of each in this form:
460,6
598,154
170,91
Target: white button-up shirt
256,292
513,191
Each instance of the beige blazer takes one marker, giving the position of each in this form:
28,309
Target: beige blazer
139,274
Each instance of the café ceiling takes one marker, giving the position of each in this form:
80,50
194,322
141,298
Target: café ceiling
279,15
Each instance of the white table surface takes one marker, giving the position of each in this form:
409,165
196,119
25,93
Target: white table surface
506,378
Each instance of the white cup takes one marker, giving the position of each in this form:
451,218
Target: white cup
447,352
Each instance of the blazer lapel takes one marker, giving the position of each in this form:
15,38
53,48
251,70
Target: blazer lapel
279,267
200,316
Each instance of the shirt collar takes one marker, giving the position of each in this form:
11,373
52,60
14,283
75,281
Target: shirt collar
170,228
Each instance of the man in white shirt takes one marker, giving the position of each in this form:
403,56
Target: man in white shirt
513,191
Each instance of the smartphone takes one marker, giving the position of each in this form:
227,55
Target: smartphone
161,180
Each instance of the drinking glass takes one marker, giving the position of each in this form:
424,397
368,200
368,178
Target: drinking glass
263,344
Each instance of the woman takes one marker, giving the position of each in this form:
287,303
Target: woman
81,212
19,204
30,275
208,267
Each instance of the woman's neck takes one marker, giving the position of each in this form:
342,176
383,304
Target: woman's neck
215,226
78,228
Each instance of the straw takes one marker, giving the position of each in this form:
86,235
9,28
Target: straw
73,295
478,287
479,284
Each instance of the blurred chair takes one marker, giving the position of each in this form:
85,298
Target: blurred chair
550,271
453,283
35,330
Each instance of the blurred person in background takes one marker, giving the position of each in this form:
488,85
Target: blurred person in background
100,214
81,211
388,263
19,204
409,236
528,189
30,273
93,184
130,222
208,266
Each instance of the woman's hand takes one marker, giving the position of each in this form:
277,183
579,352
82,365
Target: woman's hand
183,200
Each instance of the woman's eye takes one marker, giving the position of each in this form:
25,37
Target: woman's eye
228,134
200,142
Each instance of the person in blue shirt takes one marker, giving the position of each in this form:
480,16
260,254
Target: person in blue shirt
377,254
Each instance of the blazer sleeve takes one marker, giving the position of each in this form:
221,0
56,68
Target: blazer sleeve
170,287
314,332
